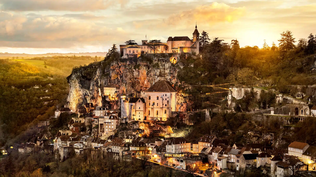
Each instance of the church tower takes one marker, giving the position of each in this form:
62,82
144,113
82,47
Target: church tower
196,34
196,40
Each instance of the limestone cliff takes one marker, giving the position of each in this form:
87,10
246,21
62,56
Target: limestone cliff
87,83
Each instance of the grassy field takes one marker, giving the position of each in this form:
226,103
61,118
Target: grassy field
21,104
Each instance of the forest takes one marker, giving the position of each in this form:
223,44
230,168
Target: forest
275,67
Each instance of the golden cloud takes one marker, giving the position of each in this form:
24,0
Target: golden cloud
209,14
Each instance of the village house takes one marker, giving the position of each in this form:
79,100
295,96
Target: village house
297,149
247,160
263,159
99,111
277,158
107,124
78,147
205,142
177,146
136,109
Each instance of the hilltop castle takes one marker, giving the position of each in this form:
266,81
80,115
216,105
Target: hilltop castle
177,44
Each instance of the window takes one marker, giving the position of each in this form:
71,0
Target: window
139,108
157,97
148,103
157,113
149,97
165,111
157,104
149,112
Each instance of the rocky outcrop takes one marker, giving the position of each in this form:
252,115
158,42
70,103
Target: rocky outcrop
87,83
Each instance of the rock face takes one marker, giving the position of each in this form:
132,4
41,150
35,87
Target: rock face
131,78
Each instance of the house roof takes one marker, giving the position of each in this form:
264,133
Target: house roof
217,150
311,151
134,100
298,145
277,158
283,165
234,151
179,38
161,86
250,156
263,155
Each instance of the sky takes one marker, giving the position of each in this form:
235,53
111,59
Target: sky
64,26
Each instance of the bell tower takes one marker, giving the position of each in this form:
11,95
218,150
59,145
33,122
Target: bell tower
196,34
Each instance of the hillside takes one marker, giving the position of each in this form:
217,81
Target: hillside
30,90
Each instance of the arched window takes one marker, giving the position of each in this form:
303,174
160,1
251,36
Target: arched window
157,97
149,97
157,113
165,111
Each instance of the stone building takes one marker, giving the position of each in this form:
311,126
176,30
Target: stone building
160,101
177,44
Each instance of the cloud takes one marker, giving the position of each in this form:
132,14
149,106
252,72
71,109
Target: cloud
40,31
85,16
209,14
59,5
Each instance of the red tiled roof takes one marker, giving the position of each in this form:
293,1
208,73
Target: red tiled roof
161,86
298,145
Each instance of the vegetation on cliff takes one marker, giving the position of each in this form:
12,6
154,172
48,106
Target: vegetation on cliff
30,90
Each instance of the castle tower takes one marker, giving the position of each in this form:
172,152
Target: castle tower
196,34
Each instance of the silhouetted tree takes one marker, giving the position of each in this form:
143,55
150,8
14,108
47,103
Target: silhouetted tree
204,39
287,41
311,44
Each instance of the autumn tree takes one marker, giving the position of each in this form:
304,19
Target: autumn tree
286,42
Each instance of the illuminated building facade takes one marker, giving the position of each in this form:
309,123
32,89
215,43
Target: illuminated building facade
177,44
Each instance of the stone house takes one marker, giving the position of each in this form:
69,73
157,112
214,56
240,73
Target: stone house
137,107
160,101
263,159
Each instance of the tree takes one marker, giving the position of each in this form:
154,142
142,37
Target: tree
265,45
287,41
274,47
204,39
311,44
302,44
153,44
130,42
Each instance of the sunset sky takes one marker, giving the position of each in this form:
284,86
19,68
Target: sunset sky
42,26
